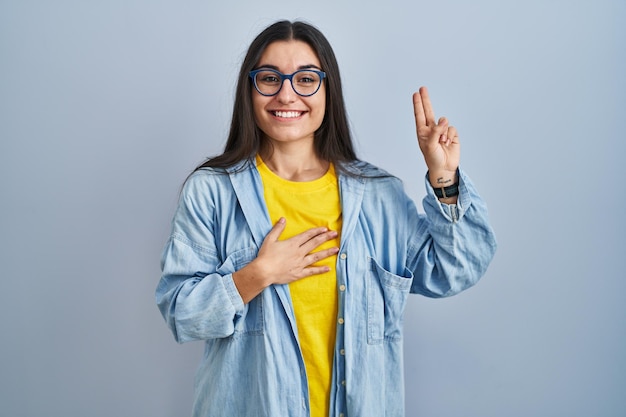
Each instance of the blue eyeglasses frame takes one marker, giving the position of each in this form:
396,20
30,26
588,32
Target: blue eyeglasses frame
284,77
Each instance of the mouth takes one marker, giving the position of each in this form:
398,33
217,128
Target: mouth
287,114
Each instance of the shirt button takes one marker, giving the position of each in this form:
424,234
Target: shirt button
343,382
340,320
342,351
343,256
342,287
340,414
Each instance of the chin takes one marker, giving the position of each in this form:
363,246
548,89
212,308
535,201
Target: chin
285,137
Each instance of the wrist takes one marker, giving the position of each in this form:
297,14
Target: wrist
257,273
445,186
250,281
439,179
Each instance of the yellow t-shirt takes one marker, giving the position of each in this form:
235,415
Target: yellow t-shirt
306,205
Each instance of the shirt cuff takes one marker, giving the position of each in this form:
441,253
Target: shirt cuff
452,212
233,293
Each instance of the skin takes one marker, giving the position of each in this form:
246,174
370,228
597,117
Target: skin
288,151
438,142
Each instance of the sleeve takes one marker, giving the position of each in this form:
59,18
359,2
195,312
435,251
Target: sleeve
453,244
196,293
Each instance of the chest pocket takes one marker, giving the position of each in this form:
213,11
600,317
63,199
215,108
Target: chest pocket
386,298
250,322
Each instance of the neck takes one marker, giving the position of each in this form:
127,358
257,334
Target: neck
294,163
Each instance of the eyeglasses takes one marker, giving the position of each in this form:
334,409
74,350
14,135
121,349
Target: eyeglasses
305,83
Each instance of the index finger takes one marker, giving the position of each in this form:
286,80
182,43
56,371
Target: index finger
308,235
418,109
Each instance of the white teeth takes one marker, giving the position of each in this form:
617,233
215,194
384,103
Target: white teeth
287,114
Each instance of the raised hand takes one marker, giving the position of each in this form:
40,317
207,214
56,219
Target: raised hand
438,141
284,261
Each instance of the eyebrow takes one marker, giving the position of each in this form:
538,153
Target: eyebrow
301,67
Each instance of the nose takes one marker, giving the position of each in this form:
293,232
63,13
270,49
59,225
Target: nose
286,94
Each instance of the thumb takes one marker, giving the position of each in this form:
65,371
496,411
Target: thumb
277,230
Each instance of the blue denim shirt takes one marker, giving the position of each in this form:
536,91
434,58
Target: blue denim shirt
252,365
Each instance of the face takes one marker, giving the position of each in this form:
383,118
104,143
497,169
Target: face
288,118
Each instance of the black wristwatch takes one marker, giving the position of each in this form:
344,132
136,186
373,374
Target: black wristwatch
449,191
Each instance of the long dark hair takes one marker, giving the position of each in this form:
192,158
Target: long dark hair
333,141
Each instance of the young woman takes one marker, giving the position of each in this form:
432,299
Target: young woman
292,259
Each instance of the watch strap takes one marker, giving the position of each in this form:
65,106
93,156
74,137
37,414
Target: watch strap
445,192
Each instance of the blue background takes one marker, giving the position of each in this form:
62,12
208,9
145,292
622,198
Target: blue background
105,107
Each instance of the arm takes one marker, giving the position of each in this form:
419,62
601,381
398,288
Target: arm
456,243
197,300
439,144
196,294
284,261
453,244
202,296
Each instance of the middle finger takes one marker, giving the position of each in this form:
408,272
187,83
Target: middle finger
428,108
317,241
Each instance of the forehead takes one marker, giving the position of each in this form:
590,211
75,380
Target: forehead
289,55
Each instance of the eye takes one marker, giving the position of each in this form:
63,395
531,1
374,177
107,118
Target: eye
267,77
307,78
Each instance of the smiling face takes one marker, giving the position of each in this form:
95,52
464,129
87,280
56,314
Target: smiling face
288,118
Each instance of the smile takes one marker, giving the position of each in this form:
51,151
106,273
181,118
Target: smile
287,114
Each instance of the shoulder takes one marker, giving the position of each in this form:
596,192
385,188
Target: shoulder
203,179
370,174
206,176
213,184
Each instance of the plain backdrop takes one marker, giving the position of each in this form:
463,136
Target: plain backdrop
106,106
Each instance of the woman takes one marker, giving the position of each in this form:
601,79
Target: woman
304,318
